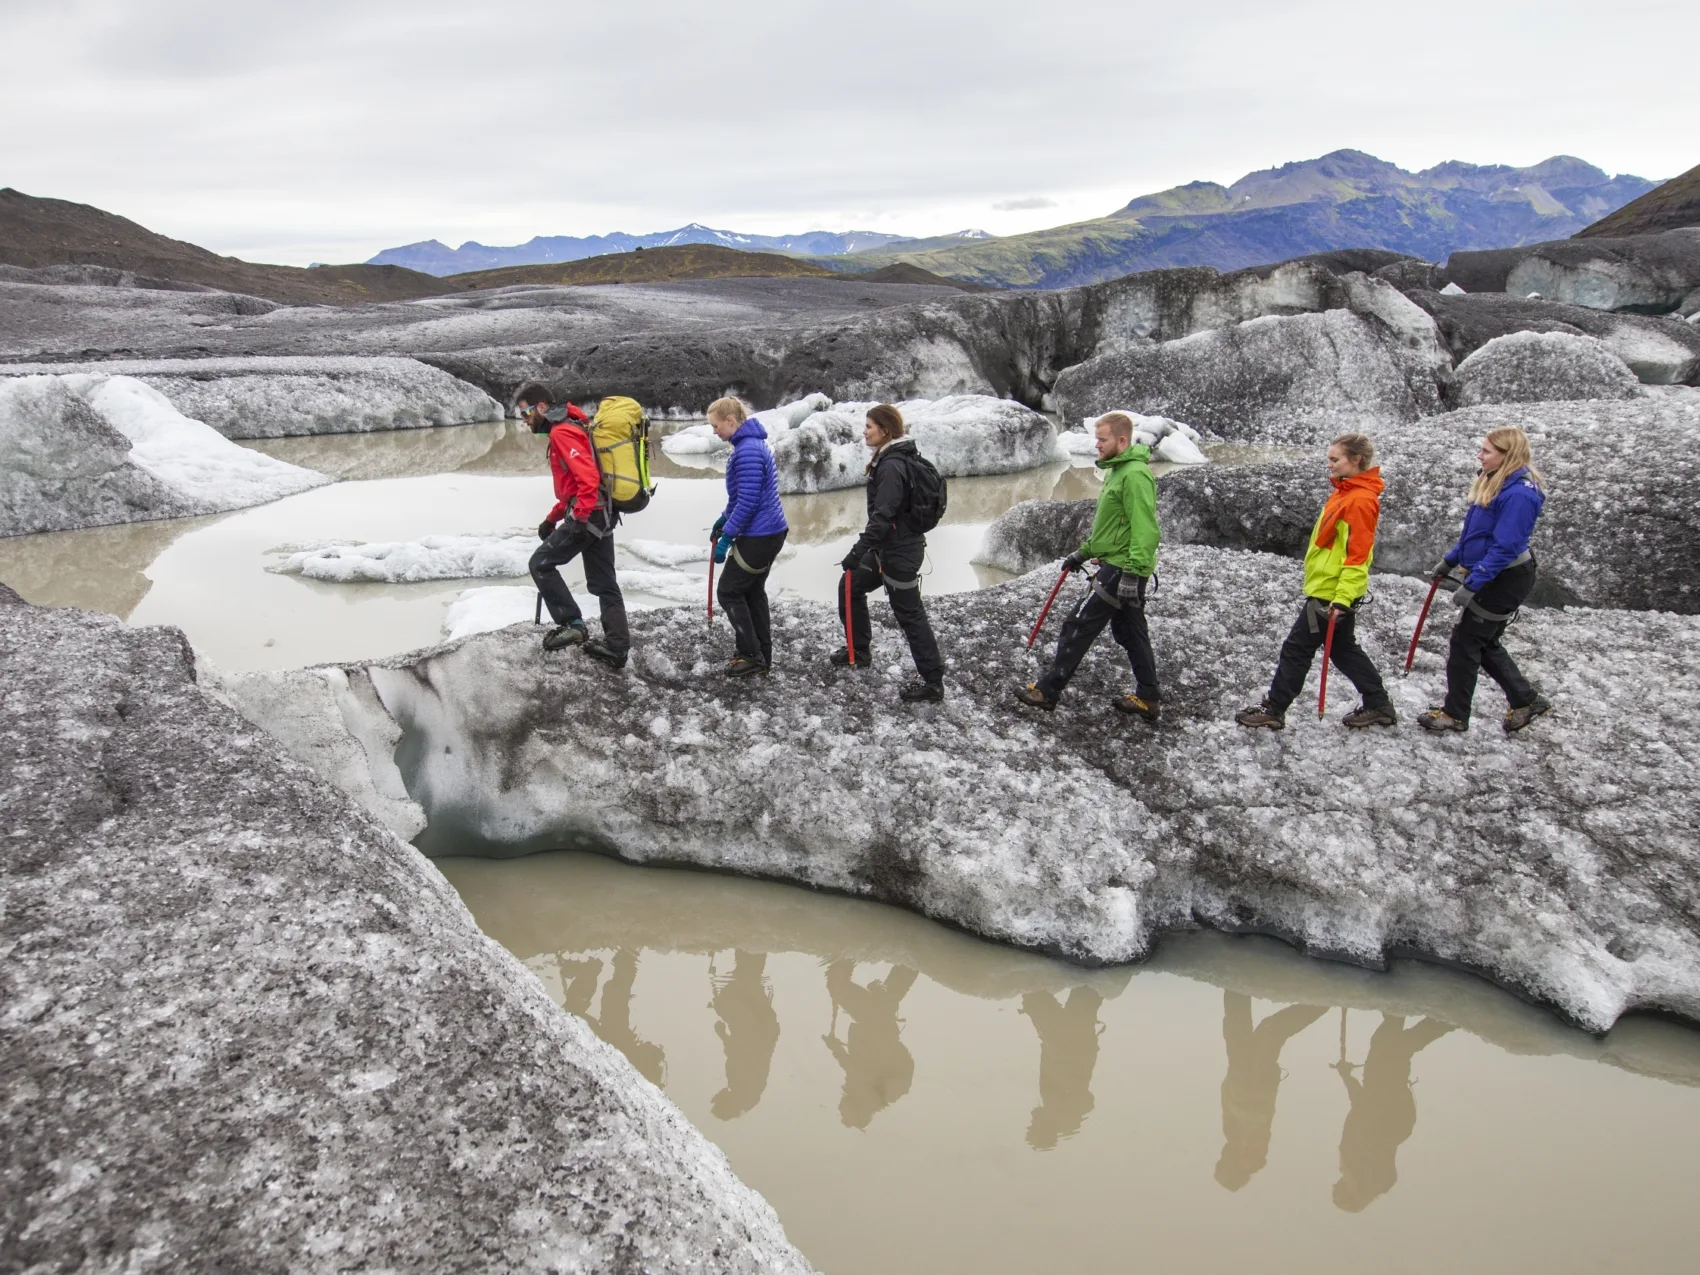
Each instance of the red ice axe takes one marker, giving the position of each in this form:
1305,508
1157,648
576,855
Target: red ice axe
1040,622
1411,655
849,636
1327,655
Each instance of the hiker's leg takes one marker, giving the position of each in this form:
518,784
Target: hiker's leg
1292,666
564,544
1079,631
1354,662
600,580
1128,626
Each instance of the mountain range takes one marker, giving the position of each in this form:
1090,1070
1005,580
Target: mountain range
1345,199
433,257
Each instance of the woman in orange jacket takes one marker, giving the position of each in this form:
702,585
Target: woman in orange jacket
1336,578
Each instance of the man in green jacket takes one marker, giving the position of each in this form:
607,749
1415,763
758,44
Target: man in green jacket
1124,543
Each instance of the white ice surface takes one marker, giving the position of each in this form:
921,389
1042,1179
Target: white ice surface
494,554
487,609
663,554
192,458
1452,290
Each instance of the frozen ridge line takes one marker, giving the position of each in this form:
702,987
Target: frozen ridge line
1561,862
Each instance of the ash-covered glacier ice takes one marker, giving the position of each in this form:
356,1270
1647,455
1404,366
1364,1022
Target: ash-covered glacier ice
145,460
1560,861
276,397
1541,367
222,972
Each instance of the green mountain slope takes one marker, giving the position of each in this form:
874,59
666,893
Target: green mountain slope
1668,207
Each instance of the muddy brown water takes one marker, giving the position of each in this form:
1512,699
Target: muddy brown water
911,1099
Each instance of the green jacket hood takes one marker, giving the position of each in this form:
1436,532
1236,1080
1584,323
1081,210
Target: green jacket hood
1138,451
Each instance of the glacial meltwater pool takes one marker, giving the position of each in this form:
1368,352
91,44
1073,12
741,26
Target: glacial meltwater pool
913,1100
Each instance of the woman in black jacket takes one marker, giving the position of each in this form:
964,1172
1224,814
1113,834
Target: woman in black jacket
888,553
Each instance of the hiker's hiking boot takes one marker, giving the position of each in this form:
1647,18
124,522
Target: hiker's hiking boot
1133,706
599,650
841,659
746,666
567,635
1032,696
1364,715
1517,718
1261,716
1439,720
922,692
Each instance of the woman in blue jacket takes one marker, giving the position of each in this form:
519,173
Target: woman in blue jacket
1493,550
749,535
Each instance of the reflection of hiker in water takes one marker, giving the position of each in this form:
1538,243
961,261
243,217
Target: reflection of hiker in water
614,1024
1384,1111
877,1068
748,1030
1249,1088
1068,1052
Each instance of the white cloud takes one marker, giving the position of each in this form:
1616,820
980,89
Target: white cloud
325,130
1023,205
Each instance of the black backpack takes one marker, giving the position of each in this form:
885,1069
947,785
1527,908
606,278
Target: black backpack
928,495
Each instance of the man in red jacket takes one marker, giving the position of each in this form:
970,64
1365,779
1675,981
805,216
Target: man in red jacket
580,525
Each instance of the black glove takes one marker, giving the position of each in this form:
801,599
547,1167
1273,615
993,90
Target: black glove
1462,597
1442,569
1074,562
852,560
546,528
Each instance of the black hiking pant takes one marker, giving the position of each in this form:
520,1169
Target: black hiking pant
896,568
1476,646
1310,630
572,540
1117,599
743,593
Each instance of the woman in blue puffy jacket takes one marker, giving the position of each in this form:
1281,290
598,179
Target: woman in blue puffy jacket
1493,551
748,536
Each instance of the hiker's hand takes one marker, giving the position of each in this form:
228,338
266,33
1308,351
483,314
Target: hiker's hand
1442,569
546,528
1462,597
852,560
1074,562
721,547
719,526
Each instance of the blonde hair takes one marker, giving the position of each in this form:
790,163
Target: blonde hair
1358,449
1120,423
730,409
1514,444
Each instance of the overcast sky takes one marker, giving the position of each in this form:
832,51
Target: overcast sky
324,130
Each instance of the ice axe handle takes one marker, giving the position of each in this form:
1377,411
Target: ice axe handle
1040,622
711,584
849,636
1411,655
1327,655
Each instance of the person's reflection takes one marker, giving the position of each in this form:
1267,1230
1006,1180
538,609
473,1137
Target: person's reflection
877,1068
1384,1111
1068,1053
748,1030
1252,1081
578,983
614,1023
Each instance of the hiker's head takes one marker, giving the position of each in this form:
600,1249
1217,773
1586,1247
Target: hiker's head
1503,452
725,415
884,425
1350,454
530,404
1114,434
